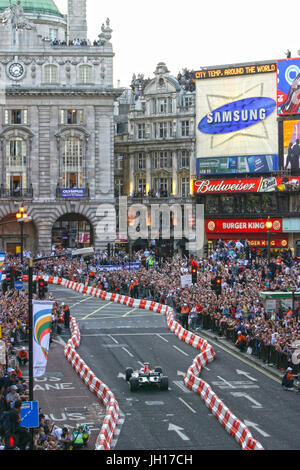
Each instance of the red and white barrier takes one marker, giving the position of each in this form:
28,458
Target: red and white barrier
96,386
192,378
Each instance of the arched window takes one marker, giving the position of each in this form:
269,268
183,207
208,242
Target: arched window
50,74
85,74
16,164
72,162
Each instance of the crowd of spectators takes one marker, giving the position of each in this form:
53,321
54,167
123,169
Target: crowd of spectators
140,193
74,42
270,334
186,80
13,386
237,313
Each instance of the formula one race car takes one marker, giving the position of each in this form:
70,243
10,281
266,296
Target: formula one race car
146,376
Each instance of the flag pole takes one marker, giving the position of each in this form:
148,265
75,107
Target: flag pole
30,290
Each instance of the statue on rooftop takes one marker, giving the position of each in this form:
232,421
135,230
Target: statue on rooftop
14,16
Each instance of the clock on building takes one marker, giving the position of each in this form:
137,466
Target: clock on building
16,70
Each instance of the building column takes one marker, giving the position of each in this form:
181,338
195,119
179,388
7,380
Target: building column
131,175
175,189
148,173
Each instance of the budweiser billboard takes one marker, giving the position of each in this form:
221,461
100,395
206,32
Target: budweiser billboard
246,185
210,186
242,226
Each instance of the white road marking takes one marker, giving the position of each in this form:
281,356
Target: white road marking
180,350
187,405
161,337
128,352
113,339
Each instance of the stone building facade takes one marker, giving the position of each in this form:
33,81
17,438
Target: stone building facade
56,127
155,141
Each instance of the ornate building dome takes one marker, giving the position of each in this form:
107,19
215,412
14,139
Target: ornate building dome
35,7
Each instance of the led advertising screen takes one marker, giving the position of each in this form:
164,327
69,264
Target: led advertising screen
291,145
288,86
236,113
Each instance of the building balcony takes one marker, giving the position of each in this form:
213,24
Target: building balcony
171,199
17,193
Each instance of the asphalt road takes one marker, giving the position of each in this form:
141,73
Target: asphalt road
114,337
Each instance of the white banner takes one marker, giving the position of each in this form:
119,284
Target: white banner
42,311
2,353
186,280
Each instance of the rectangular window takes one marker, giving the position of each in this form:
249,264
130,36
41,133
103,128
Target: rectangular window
85,74
141,131
141,185
185,187
141,161
15,116
163,105
51,74
71,116
53,33
185,128
119,162
72,163
163,160
185,159
187,101
162,130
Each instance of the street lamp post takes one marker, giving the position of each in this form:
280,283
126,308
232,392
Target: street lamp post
22,217
269,226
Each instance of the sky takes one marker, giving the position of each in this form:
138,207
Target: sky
191,34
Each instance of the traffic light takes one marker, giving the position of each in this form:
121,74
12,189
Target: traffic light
194,275
10,442
42,289
108,249
218,286
206,249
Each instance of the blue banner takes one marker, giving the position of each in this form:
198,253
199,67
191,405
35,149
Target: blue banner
73,192
118,267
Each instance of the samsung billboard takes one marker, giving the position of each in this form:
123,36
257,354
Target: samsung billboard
236,111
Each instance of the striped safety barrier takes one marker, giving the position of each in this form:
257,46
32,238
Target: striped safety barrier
228,420
96,386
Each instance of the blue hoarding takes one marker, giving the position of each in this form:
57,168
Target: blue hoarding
238,164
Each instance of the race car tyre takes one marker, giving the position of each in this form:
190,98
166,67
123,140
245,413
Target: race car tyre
128,373
134,384
164,384
158,369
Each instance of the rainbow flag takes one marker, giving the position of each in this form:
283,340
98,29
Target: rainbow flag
42,316
2,260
